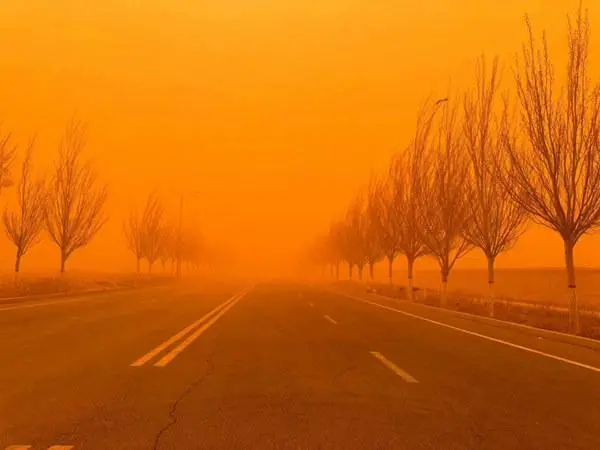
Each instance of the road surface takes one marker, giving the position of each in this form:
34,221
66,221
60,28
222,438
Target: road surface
285,366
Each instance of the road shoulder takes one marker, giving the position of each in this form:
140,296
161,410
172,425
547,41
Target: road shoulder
580,350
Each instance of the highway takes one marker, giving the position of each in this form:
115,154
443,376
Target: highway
285,366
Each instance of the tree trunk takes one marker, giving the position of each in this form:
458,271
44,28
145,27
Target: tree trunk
491,300
150,263
63,262
18,262
163,265
371,273
349,271
574,326
360,270
411,263
137,265
390,267
444,290
337,270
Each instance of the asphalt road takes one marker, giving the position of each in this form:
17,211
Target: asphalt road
283,366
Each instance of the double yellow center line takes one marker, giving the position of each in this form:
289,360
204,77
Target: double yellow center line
189,334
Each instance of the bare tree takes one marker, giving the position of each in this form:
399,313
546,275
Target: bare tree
318,253
75,208
370,231
153,226
496,221
324,252
443,182
173,250
23,227
346,243
8,151
376,225
167,244
321,253
357,235
554,175
405,214
134,233
335,246
409,196
193,248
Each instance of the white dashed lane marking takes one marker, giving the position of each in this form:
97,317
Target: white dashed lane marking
394,368
330,319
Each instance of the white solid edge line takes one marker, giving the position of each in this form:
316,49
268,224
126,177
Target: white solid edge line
394,368
473,333
18,447
35,305
330,319
196,334
156,350
61,447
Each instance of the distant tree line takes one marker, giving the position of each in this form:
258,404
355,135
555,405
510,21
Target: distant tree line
153,235
480,166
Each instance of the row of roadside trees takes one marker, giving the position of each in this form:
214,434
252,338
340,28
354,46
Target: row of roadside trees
480,166
69,206
69,203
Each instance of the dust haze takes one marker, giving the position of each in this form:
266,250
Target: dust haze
288,224
266,118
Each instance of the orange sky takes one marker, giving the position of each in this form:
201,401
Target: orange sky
275,112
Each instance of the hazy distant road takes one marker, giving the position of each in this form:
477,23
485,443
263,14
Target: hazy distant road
284,366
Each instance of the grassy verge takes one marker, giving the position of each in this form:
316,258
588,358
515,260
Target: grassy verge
12,289
535,315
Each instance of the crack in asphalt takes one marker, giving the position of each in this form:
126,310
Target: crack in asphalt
173,411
